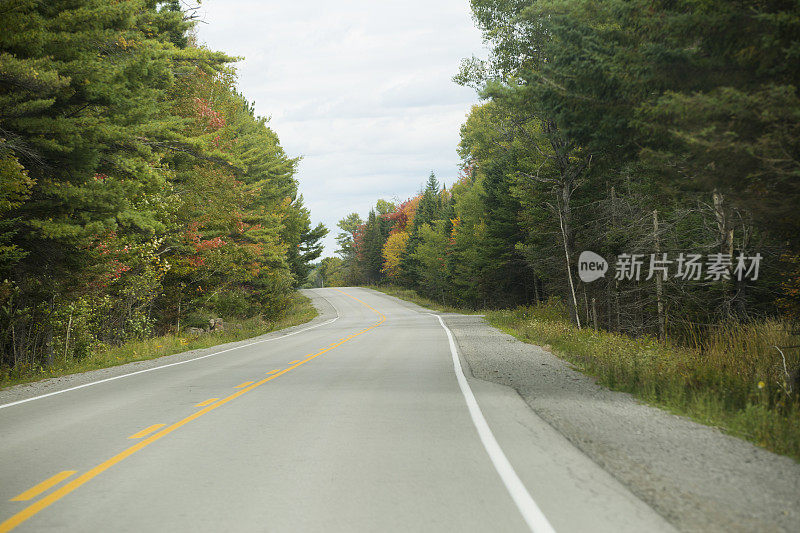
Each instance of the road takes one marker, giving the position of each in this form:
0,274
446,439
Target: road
364,420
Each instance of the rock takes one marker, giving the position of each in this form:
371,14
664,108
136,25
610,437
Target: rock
194,331
215,325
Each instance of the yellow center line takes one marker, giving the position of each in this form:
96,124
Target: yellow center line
146,431
270,372
245,384
43,486
295,361
207,402
56,495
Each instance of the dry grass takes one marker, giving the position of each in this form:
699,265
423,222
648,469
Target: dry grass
731,377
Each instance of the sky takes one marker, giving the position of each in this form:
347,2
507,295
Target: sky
361,89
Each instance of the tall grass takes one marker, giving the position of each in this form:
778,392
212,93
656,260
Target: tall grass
730,376
298,311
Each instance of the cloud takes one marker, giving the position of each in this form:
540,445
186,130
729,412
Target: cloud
361,89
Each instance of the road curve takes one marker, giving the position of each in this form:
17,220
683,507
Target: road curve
360,423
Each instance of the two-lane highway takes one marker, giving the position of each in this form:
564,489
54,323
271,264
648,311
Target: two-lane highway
367,421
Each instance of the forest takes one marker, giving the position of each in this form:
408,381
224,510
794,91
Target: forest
664,138
619,127
141,193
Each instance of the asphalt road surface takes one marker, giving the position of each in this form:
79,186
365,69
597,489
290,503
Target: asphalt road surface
362,420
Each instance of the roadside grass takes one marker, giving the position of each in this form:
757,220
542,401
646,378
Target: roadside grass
299,311
730,377
412,296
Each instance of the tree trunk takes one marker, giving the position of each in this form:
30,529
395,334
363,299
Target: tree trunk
662,323
617,312
66,342
563,218
725,229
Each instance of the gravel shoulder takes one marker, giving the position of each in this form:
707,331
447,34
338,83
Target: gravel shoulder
37,388
695,476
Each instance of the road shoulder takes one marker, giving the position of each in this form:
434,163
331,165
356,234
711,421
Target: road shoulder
695,476
25,391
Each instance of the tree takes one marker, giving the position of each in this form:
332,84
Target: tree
430,255
303,242
331,272
392,253
427,210
138,177
346,238
376,232
384,207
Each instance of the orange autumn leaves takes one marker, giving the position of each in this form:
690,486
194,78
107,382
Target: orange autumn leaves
401,219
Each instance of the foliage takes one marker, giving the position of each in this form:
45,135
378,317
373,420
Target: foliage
393,250
139,188
626,127
298,311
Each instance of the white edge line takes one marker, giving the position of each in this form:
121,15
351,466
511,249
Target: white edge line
170,364
531,513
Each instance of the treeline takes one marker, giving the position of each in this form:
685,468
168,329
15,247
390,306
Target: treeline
140,192
657,134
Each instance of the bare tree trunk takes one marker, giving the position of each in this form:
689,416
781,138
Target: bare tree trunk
586,305
662,323
14,344
617,312
564,233
740,285
48,345
571,164
723,223
66,342
725,241
740,299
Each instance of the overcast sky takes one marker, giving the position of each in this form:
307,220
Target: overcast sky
362,90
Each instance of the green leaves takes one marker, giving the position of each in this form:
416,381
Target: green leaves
127,152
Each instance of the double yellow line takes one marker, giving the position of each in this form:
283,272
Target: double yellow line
56,495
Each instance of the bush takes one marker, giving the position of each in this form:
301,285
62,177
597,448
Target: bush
232,304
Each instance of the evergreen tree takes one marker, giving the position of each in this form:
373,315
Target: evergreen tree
426,213
138,185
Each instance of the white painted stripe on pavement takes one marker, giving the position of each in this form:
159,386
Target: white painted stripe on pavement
531,513
331,321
